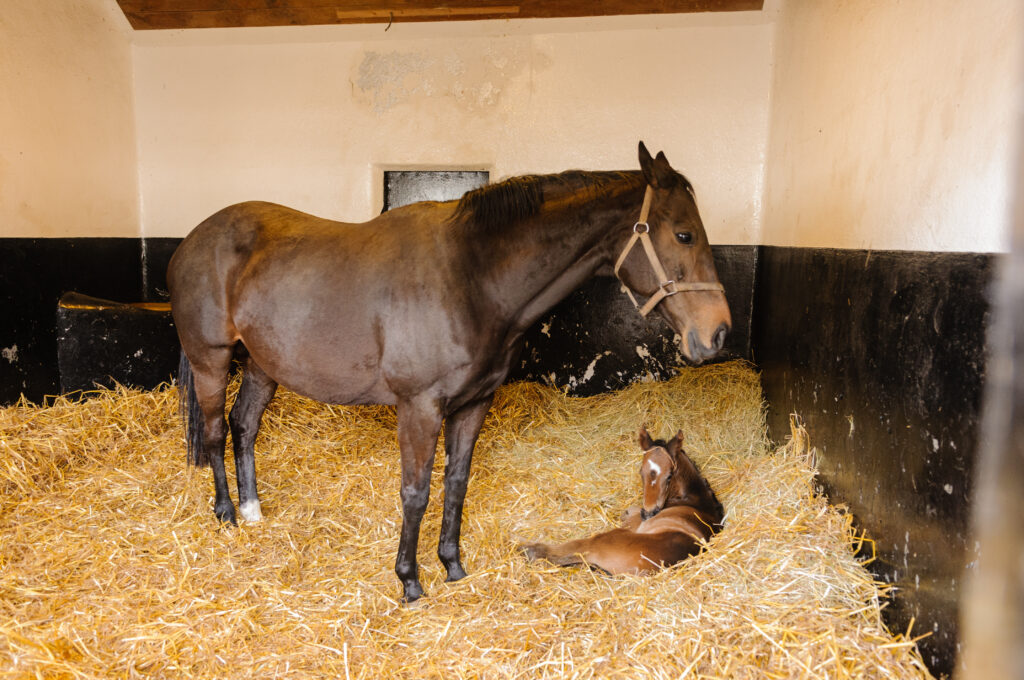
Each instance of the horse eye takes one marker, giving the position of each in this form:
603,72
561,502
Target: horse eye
684,237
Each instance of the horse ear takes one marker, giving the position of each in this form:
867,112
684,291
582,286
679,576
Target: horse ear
645,439
675,445
657,171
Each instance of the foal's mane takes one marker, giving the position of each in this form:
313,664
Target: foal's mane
497,205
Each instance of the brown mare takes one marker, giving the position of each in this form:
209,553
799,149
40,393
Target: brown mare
423,307
679,513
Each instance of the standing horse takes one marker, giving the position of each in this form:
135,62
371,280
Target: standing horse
679,513
423,307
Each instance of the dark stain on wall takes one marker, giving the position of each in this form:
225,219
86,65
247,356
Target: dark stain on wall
882,354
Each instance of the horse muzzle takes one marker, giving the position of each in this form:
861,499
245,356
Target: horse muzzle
646,514
698,351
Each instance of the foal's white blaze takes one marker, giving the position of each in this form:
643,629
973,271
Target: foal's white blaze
251,511
657,470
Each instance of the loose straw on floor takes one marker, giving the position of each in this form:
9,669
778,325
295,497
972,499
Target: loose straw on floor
112,564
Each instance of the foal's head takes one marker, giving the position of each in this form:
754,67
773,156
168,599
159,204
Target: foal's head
670,478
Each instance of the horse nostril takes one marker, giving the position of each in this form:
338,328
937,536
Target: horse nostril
718,341
694,345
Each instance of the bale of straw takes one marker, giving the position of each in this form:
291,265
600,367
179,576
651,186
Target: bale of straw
112,564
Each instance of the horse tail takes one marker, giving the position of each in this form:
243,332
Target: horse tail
191,416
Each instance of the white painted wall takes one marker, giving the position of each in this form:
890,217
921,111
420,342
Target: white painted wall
894,124
855,124
67,142
309,116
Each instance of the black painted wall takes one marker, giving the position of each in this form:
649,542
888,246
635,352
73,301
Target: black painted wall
592,342
595,340
882,354
34,273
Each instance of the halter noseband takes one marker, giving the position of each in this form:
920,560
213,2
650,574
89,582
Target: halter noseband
641,232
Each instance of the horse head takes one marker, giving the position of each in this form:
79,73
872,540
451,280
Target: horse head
675,268
657,471
670,478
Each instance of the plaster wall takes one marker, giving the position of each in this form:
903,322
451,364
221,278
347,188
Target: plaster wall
311,116
67,146
893,124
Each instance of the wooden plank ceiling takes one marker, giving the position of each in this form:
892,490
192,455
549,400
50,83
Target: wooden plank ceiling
177,14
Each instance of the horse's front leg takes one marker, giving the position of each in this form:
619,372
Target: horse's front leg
419,422
461,431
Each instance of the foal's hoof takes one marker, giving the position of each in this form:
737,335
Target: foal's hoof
532,551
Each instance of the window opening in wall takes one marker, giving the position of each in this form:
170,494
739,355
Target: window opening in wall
402,187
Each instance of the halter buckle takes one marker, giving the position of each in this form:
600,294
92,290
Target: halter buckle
646,228
669,288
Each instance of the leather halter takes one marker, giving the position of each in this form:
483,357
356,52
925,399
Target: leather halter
641,232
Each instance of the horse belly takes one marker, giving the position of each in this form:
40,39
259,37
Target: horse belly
329,356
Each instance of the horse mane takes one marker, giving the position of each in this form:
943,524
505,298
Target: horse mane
495,206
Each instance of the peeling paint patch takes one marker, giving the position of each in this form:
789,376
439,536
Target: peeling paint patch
385,80
588,373
10,354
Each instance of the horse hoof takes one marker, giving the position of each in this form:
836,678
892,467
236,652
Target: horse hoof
455,573
226,515
411,593
250,511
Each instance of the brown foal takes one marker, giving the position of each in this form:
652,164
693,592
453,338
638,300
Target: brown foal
679,514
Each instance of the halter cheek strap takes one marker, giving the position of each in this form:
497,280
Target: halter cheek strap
641,232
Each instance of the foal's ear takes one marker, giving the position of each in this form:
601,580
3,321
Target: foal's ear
646,442
675,445
657,171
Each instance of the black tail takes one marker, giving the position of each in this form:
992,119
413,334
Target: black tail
188,407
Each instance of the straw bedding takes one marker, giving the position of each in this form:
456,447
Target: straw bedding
112,564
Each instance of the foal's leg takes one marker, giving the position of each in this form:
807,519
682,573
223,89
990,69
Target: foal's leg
253,396
210,377
461,431
419,422
562,554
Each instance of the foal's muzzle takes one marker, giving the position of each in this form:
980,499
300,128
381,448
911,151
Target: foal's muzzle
647,514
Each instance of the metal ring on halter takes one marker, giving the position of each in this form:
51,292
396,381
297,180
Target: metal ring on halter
636,228
664,287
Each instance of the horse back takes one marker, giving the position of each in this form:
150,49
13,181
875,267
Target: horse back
343,313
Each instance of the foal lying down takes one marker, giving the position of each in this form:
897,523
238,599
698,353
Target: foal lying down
679,512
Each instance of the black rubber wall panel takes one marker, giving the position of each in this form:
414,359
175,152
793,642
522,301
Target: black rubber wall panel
883,355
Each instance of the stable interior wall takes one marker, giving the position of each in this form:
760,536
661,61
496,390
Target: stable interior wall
865,144
888,177
313,116
68,170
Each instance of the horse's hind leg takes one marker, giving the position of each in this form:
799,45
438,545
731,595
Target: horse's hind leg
210,378
255,393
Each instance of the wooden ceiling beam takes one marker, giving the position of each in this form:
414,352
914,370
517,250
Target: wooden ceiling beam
182,14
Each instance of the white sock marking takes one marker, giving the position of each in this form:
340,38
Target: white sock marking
251,511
